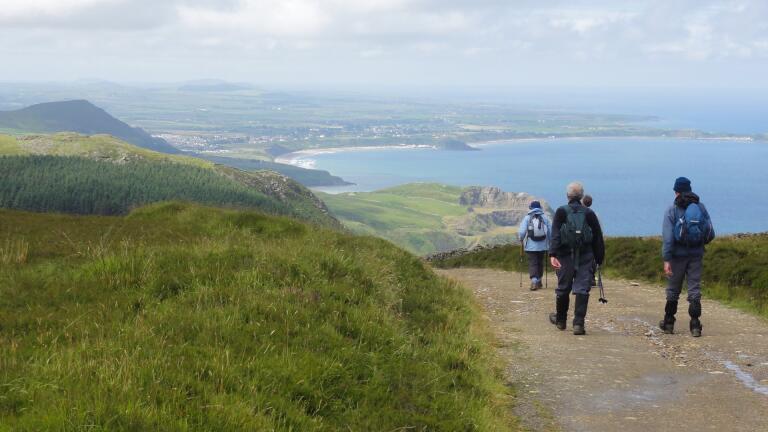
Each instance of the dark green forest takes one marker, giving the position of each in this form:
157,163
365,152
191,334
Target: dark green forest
84,186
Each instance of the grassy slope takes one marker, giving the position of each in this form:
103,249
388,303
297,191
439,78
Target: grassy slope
182,317
735,269
108,148
419,217
409,215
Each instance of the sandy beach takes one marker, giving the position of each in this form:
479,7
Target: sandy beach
304,158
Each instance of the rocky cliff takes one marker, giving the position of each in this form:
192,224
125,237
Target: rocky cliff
494,197
490,207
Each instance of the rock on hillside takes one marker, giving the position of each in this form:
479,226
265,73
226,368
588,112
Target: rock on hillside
490,208
283,189
494,197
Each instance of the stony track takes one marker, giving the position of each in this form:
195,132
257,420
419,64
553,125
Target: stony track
625,374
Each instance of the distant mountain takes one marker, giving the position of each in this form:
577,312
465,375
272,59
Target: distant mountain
82,117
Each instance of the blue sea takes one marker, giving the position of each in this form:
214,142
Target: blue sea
630,178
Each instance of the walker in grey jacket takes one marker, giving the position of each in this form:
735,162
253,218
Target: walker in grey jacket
535,247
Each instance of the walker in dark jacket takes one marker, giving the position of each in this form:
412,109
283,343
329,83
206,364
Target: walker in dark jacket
573,276
683,261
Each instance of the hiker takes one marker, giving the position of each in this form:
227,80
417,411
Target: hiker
686,230
576,245
587,201
534,233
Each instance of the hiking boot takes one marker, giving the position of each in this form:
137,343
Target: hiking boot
539,285
694,310
668,328
580,313
559,324
560,317
668,323
696,327
534,286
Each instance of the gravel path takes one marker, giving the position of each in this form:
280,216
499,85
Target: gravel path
625,374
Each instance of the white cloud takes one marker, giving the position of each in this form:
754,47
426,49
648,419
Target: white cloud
15,9
470,35
274,17
371,53
584,21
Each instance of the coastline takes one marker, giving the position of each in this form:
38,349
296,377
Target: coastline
304,158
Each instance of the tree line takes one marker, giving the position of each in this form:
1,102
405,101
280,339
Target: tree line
84,186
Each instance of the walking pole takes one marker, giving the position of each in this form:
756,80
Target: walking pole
520,272
546,270
600,285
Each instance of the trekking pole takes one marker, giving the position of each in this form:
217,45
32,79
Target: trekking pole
600,285
520,273
546,270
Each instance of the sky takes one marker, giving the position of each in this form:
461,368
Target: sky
591,43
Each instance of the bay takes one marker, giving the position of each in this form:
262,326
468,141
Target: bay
630,178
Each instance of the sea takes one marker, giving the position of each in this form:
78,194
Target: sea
630,179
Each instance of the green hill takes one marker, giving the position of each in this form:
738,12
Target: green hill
180,317
78,116
100,174
425,218
735,268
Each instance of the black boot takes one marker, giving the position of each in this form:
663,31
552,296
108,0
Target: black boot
561,316
694,310
668,323
579,313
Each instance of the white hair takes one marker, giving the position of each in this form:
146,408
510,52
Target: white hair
575,190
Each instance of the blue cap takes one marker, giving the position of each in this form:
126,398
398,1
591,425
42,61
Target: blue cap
534,205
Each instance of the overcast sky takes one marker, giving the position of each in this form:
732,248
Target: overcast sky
693,43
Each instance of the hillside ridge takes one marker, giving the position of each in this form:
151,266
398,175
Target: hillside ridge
105,148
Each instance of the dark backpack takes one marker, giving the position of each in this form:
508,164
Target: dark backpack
575,232
692,227
537,231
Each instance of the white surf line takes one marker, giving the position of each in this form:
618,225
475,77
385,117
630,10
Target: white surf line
304,158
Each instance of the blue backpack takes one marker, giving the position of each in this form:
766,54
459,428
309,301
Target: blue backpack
692,228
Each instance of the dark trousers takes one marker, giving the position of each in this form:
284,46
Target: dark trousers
576,277
689,269
535,264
